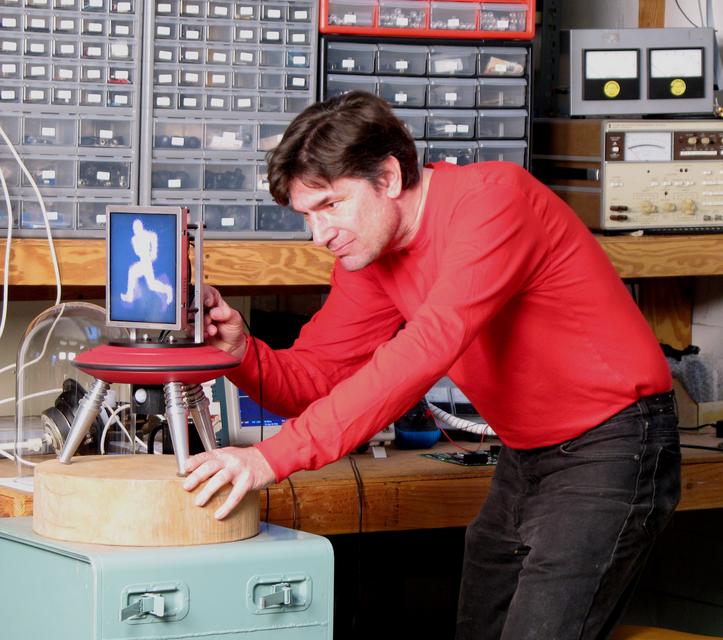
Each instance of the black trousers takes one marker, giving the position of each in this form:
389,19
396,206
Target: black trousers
565,531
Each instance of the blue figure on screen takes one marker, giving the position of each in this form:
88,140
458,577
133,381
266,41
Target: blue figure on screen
145,245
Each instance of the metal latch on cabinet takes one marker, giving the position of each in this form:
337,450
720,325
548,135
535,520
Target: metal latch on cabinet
148,604
279,596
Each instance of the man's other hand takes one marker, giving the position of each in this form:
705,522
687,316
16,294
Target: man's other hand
223,326
245,469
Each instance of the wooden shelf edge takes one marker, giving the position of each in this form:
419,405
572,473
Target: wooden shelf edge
255,263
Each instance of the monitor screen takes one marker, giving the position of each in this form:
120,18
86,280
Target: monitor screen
144,263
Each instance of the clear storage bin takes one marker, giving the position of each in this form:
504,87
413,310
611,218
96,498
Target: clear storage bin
219,33
118,99
218,102
502,92
452,61
65,25
270,135
122,28
509,150
177,134
190,101
11,172
176,176
400,59
342,57
299,35
402,14
63,96
101,174
246,11
244,102
297,59
337,85
403,92
165,53
218,79
455,16
50,172
230,137
272,217
67,5
502,17
192,9
452,92
451,124
271,35
14,209
502,61
61,215
91,215
122,7
36,71
96,132
299,12
192,32
164,77
11,127
273,12
36,95
246,57
218,56
228,217
297,81
414,120
351,13
229,177
49,131
271,81
166,7
460,153
271,102
221,10
9,94
502,124
10,70
190,78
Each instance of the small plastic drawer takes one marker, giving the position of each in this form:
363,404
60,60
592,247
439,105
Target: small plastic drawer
218,55
400,59
228,217
36,95
36,71
245,79
101,174
350,57
246,33
460,153
166,8
297,59
190,101
163,100
403,92
351,13
165,53
121,28
271,35
11,172
14,208
421,147
99,6
502,17
508,150
192,9
10,46
271,81
176,176
218,102
455,16
11,127
262,177
219,33
402,14
270,134
37,4
230,137
166,30
502,92
191,32
65,49
105,133
297,103
92,73
10,23
65,25
246,57
452,61
297,36
66,5
502,124
222,10
177,135
245,10
37,23
298,81
63,96
91,215
190,55
120,51
92,27
299,12
273,12
190,78
49,131
452,92
451,124
272,217
93,50
122,7
229,177
502,61
61,215
36,47
9,94
120,75
337,85
271,102
218,79
414,120
119,98
9,70
244,102
51,172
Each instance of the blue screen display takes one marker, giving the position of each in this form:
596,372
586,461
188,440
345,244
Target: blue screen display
143,266
251,415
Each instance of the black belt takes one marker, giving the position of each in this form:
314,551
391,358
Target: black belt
659,403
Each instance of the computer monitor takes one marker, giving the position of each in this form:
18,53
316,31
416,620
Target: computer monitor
147,267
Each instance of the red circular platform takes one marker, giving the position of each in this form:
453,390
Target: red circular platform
155,364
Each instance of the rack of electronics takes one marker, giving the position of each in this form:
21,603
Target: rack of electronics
176,102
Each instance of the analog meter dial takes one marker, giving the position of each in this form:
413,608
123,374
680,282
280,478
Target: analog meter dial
648,146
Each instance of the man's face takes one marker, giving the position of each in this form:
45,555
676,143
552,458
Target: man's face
351,218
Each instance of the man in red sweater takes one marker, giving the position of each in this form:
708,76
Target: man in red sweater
483,274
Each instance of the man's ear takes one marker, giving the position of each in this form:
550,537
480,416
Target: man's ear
391,177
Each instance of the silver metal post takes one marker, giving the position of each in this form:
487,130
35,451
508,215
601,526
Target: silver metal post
88,409
199,407
176,415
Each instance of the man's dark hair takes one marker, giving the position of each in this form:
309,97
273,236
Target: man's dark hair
348,136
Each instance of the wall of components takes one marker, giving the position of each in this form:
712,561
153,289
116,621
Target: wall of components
105,112
448,68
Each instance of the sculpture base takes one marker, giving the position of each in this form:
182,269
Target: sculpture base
134,500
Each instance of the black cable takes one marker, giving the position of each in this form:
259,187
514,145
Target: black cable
700,446
295,512
359,582
262,418
685,15
359,491
268,505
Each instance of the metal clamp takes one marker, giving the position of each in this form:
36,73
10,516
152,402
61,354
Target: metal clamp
148,603
280,596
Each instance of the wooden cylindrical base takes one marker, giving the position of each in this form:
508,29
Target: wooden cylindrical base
135,500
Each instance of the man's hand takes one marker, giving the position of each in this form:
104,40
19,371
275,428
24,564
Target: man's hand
245,469
223,326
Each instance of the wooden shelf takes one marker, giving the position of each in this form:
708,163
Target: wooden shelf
278,263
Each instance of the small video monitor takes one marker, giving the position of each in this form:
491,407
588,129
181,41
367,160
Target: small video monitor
147,266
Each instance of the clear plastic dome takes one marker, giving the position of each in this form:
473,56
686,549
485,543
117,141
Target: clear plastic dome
49,387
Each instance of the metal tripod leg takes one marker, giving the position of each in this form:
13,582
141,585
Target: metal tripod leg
176,415
88,409
199,407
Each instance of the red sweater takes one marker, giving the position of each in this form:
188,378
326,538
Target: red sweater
503,289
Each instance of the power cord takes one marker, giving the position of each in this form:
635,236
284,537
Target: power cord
6,270
360,497
295,504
